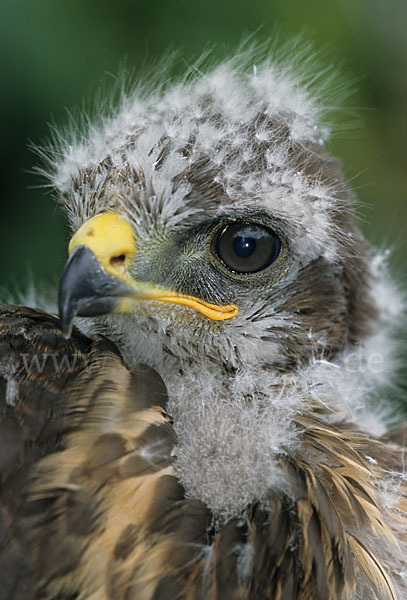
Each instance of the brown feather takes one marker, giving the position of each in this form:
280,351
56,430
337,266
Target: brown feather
33,421
373,569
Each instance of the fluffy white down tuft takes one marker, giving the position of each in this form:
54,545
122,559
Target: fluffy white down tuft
230,437
279,83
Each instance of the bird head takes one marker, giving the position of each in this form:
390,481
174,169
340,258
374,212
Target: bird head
211,225
214,239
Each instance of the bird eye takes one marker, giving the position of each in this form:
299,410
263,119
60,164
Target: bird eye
247,247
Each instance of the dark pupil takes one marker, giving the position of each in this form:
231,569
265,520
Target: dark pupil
247,247
244,246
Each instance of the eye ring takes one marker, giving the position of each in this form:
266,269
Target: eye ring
246,248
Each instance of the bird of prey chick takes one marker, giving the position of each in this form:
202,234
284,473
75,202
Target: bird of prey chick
200,421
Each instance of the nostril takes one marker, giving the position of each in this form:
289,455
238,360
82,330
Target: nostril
119,262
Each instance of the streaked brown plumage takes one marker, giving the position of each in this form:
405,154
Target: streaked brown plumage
97,518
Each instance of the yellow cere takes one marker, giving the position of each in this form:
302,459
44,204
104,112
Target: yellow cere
111,239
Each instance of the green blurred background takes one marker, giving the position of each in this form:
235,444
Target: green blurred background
55,52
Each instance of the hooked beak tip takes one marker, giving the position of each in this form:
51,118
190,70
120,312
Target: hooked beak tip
86,289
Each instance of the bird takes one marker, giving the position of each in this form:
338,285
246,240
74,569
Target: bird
206,416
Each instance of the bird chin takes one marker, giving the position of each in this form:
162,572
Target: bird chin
156,334
170,338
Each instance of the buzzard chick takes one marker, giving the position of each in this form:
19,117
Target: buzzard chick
206,429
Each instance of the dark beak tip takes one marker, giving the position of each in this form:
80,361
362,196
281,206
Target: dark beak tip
66,326
67,334
86,289
72,286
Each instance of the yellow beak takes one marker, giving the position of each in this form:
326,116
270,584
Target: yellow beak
96,279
